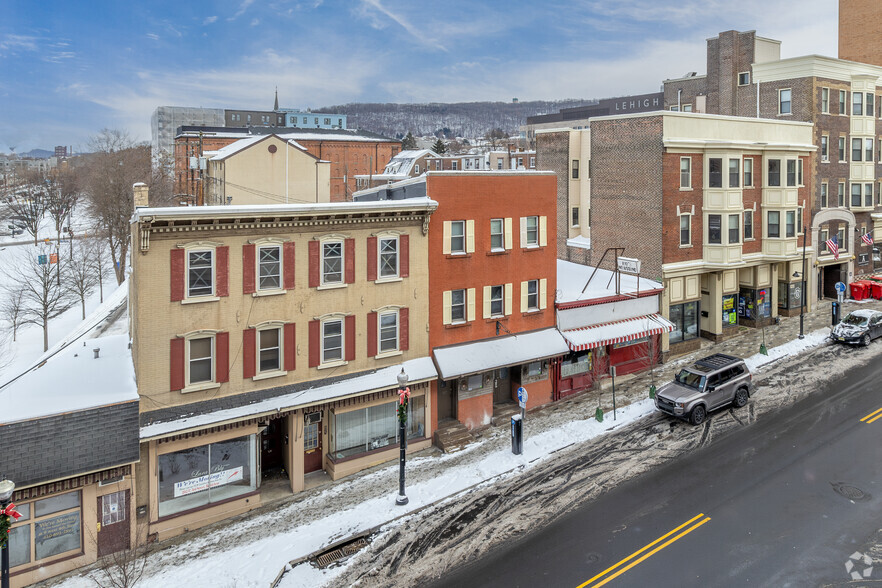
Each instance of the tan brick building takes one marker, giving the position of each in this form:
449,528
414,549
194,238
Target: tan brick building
860,27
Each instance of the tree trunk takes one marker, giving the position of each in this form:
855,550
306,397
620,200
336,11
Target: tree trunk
100,287
83,303
45,335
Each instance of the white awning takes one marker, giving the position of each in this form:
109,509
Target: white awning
472,358
616,332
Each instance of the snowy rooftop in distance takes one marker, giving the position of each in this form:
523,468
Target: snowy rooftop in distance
243,144
68,378
572,277
471,358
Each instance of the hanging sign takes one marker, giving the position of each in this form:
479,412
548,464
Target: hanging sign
42,259
629,266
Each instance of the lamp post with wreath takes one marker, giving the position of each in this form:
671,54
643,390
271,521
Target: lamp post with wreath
403,398
7,509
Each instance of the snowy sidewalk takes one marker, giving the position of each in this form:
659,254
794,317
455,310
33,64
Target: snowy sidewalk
252,550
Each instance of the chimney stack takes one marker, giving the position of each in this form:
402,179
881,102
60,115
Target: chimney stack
140,189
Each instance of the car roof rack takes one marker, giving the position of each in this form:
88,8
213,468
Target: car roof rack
716,361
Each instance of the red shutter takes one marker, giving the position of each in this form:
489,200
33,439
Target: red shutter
290,344
248,273
223,270
249,351
314,263
177,278
222,350
315,350
372,260
176,366
403,329
372,334
349,261
350,337
288,264
404,256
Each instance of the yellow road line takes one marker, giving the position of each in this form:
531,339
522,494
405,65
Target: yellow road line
639,551
870,417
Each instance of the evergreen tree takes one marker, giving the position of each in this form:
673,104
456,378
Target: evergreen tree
408,142
439,147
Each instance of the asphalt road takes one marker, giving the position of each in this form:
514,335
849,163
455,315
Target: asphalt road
783,502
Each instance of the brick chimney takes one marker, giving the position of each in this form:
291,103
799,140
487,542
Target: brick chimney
140,189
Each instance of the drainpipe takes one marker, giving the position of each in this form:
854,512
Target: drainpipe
679,92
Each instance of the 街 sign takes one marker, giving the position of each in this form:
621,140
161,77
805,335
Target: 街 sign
202,483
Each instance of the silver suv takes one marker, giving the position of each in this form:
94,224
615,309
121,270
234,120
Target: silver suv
710,383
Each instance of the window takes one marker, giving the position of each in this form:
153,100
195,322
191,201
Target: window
856,149
715,172
200,273
790,224
520,162
825,100
200,365
791,172
774,172
532,231
499,164
48,527
532,162
734,173
388,257
871,107
687,108
840,239
842,154
714,229
825,153
843,97
824,197
496,300
784,101
497,234
840,194
416,169
332,340
375,427
748,172
868,149
332,262
575,219
734,229
685,229
685,172
457,237
269,349
454,165
773,227
388,331
868,195
744,78
857,104
685,320
675,108
458,306
855,195
533,295
748,224
575,169
269,267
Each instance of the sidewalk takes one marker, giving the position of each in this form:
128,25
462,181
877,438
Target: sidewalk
253,549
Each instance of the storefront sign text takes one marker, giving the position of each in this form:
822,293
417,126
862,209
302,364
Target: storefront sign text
204,482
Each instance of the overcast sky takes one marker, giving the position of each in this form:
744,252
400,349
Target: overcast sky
70,68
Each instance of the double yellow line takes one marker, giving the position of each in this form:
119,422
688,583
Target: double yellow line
691,524
873,416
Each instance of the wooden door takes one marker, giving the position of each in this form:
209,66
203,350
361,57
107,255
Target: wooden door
312,443
113,522
502,386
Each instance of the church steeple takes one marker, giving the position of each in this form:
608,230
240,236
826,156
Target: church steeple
276,104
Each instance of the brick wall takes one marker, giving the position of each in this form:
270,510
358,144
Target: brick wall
753,198
553,154
626,190
685,199
860,26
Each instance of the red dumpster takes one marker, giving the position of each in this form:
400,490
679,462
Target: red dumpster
858,291
875,290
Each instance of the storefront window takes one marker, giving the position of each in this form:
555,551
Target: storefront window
375,427
199,476
730,316
47,528
754,303
685,319
578,363
790,294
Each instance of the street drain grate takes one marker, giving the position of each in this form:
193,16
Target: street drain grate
330,556
849,491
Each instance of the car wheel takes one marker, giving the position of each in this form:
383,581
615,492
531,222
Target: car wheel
865,340
698,414
741,398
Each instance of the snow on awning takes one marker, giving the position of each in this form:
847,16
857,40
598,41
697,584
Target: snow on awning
472,358
616,332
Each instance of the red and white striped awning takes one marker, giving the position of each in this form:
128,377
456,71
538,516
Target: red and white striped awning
616,332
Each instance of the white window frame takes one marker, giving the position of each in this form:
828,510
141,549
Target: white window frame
385,254
189,385
860,149
324,323
825,148
747,162
841,195
843,102
258,265
743,78
687,171
782,102
460,223
528,242
843,149
825,100
532,291
824,236
688,217
574,217
465,302
825,195
500,234
500,300
342,244
748,214
738,238
857,103
396,327
187,289
532,162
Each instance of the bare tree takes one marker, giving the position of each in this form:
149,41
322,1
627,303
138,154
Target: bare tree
123,568
28,203
43,299
13,309
80,277
99,265
61,197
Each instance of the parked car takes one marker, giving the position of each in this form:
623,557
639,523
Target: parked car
860,326
710,383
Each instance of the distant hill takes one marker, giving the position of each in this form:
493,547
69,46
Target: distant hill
458,119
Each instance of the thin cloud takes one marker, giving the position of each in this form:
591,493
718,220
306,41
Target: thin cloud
153,36
209,20
242,8
25,42
403,22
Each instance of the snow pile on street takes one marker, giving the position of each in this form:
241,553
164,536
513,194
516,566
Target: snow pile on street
794,347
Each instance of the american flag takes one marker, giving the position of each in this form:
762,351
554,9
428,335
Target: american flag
867,238
833,246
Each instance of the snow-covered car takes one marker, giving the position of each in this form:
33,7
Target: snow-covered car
860,326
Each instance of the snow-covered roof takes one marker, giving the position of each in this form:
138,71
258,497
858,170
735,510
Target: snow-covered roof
233,148
402,163
572,277
471,358
864,313
234,210
417,370
616,332
579,242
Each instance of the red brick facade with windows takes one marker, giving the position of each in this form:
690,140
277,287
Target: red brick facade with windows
675,196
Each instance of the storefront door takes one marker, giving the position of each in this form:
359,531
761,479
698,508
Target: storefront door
502,386
272,448
833,274
312,442
446,399
113,528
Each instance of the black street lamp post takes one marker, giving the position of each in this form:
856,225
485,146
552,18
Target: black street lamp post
7,487
804,287
403,397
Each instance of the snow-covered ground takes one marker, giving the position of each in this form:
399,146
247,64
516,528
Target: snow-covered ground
254,550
